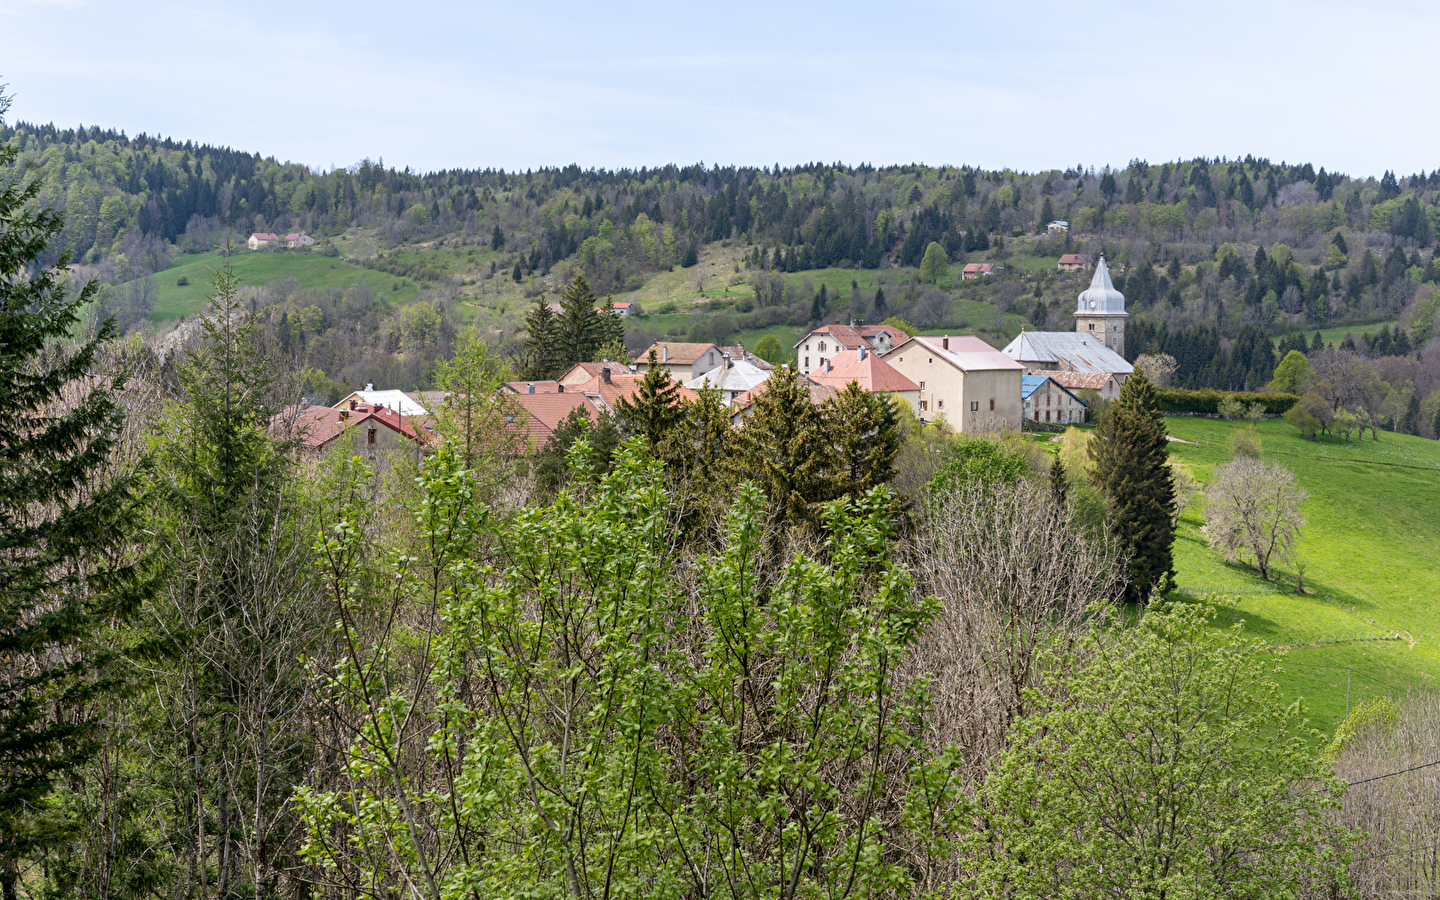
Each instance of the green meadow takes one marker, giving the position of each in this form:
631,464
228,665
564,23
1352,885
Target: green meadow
1370,554
314,272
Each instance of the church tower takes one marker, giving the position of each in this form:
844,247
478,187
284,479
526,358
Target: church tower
1101,311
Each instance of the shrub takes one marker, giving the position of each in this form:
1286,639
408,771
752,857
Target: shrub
1208,400
182,281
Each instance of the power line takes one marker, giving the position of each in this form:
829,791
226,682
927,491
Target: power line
1393,774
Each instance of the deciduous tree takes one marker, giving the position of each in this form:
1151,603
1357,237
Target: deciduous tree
1253,507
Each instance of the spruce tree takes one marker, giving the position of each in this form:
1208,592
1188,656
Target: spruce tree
784,449
579,328
66,524
866,433
654,412
1059,482
880,302
540,360
1131,470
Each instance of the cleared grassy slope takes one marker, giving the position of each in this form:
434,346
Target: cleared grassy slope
1371,557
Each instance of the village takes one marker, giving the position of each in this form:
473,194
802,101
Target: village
1039,379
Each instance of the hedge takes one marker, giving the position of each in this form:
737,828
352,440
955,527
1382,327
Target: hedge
1208,400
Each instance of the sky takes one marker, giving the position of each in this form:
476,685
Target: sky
1040,85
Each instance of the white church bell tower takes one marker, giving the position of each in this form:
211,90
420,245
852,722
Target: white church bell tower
1100,311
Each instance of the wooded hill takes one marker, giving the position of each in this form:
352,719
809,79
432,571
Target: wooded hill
1213,254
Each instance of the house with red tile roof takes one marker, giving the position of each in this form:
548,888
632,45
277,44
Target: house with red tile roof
873,374
830,340
1074,262
373,433
261,239
1106,384
977,270
975,387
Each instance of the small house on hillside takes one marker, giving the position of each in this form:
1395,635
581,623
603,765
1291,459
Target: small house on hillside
298,239
391,399
372,433
262,239
1074,262
1057,227
977,270
1043,395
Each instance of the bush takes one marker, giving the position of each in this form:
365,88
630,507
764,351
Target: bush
1209,400
182,281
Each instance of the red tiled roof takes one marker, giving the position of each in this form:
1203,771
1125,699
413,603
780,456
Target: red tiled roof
317,426
584,371
547,411
873,374
979,267
265,236
739,352
541,387
852,336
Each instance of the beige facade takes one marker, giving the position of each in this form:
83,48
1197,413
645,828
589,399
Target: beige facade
1109,330
1052,403
974,389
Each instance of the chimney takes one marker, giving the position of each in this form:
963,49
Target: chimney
860,354
530,387
605,374
369,387
560,388
345,413
945,342
664,354
352,402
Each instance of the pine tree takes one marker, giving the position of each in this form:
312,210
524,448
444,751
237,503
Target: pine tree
1047,215
1059,482
497,239
1412,414
880,302
541,337
866,433
691,256
1317,344
1132,472
66,525
579,328
783,448
654,413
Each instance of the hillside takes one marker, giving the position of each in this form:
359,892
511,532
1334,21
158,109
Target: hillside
1369,550
1212,254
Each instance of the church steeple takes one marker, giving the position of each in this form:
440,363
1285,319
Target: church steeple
1100,310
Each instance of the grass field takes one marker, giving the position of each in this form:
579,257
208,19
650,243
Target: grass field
1337,334
1371,556
313,271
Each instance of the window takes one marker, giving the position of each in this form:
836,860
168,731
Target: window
974,405
807,346
1047,415
807,362
940,404
370,438
1047,399
923,406
1037,415
822,346
931,360
992,404
922,384
1092,326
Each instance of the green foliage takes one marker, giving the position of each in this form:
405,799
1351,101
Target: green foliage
1292,376
601,729
1376,714
476,410
865,429
769,349
1208,400
553,467
1169,766
783,449
902,325
654,412
935,265
418,215
68,522
1310,415
1131,469
965,460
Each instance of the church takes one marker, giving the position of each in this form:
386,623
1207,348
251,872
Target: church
1093,355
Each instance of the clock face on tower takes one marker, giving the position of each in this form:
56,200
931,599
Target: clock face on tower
1092,304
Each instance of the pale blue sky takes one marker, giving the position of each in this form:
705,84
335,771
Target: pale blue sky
1033,85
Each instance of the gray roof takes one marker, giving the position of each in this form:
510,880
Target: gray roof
739,376
1101,297
1077,350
